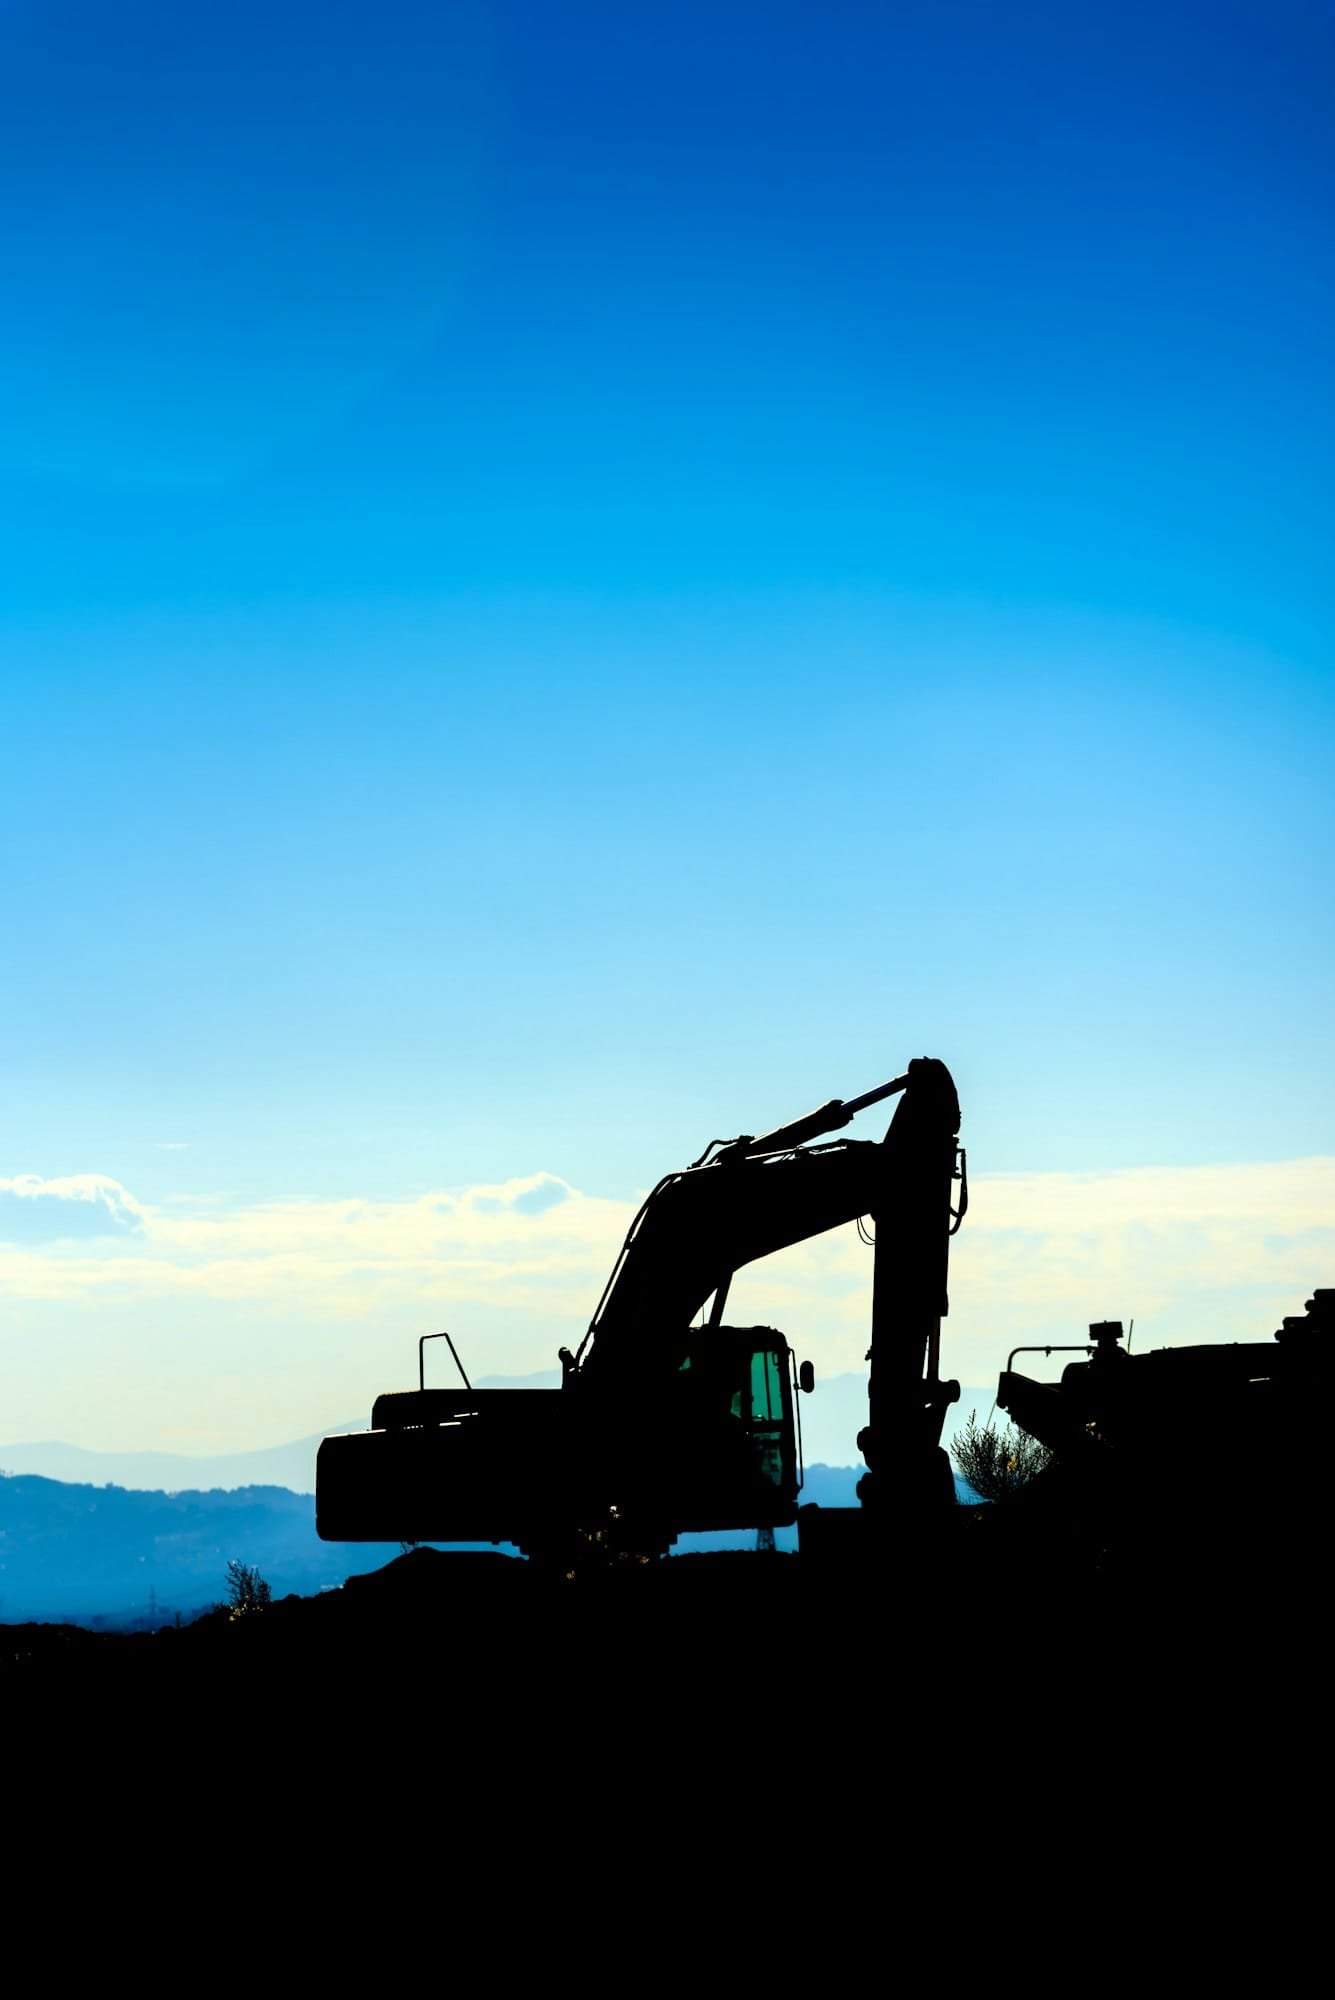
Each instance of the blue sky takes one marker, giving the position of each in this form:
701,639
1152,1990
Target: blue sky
581,578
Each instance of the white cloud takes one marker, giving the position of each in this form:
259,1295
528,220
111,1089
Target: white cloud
1196,1253
252,1322
531,1245
1284,1194
33,1210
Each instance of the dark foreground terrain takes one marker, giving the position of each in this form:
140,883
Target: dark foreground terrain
998,1734
989,1595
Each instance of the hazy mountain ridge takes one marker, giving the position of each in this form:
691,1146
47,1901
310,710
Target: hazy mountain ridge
831,1420
287,1465
80,1554
124,1538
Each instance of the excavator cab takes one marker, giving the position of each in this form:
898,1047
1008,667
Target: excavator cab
732,1431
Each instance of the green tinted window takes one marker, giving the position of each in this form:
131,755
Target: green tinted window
766,1388
766,1414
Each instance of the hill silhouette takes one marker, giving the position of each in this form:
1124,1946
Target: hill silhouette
114,1558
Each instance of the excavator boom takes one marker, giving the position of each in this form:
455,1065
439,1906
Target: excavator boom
664,1424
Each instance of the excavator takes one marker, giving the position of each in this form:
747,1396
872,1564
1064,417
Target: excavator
667,1420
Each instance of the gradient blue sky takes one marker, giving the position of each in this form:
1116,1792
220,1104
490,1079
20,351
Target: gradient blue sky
580,578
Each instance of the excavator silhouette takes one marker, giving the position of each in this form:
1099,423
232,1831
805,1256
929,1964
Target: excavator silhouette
667,1420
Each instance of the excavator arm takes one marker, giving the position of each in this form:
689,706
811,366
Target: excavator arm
756,1196
668,1425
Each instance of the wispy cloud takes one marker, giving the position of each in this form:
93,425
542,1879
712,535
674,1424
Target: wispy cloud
203,1324
532,1243
72,1209
1194,1253
1283,1194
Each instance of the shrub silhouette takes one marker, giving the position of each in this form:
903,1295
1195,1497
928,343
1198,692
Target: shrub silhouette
247,1592
997,1463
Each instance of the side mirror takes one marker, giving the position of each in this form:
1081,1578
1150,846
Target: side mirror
806,1378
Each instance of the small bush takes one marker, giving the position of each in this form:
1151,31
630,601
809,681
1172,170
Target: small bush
997,1463
247,1592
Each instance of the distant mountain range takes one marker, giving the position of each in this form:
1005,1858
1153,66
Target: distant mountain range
107,1556
101,1555
290,1465
831,1420
136,1538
